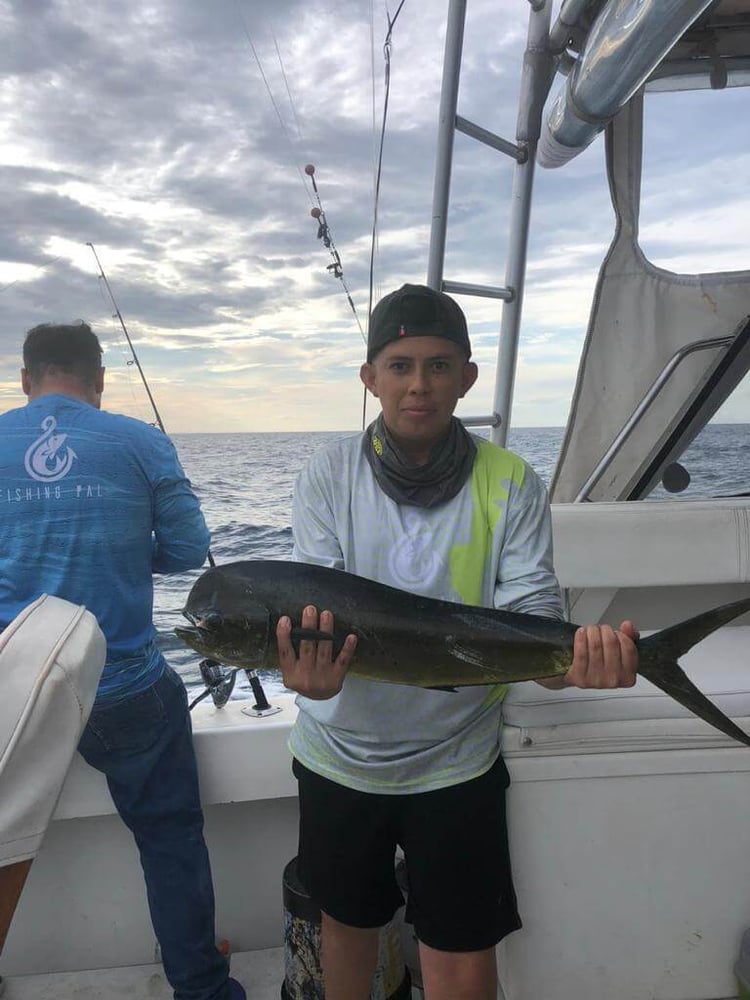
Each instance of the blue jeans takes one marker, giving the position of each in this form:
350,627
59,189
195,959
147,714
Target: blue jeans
144,746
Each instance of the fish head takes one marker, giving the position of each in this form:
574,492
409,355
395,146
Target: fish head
238,639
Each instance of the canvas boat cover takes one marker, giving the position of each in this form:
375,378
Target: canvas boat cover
51,658
644,317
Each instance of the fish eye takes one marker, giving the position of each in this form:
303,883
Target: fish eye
207,622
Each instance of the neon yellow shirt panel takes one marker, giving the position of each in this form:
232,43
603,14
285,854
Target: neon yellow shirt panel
494,471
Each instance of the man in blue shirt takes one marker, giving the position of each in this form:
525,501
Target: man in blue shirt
91,505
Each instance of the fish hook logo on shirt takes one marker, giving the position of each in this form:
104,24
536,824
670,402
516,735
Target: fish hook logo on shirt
46,460
413,561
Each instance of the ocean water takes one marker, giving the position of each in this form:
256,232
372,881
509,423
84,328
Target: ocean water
245,483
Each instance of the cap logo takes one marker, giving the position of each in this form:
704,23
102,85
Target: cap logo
416,311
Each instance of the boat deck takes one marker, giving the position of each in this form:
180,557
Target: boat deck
260,972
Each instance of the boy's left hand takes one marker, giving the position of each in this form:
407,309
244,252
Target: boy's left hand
604,657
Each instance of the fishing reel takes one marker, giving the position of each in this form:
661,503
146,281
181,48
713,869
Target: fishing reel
219,683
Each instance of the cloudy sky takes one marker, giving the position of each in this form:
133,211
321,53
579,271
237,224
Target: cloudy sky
173,135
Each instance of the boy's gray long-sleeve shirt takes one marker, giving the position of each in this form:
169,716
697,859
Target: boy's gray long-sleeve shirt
490,545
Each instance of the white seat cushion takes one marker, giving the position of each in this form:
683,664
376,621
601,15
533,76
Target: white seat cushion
51,658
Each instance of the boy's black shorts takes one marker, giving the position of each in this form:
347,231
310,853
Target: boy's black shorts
454,839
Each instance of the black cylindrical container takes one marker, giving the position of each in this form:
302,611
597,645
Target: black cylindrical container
303,978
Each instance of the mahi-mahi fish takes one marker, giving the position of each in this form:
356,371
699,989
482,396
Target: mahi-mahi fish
403,638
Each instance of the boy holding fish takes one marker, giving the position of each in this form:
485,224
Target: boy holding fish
418,503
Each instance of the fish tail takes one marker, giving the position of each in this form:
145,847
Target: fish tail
658,663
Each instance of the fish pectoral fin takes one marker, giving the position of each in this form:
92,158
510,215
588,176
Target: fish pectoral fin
446,687
468,654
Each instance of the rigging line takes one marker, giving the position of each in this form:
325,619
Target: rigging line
373,85
341,278
263,76
379,170
288,91
135,357
275,106
364,408
336,268
392,20
376,248
317,213
37,267
353,307
324,234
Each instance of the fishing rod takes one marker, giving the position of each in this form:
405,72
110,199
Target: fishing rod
218,685
103,276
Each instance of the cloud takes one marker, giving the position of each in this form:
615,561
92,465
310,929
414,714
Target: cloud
173,138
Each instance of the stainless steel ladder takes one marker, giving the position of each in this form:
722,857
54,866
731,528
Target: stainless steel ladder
536,79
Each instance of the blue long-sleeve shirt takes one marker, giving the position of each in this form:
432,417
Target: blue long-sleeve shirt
92,504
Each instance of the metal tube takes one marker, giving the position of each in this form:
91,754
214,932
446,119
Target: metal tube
523,179
695,74
484,291
626,43
493,420
566,22
261,702
511,149
454,40
645,403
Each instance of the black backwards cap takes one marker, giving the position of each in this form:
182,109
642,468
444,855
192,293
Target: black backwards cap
416,311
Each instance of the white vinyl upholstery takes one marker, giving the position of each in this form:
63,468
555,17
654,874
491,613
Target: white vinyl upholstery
690,546
652,543
51,658
718,666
